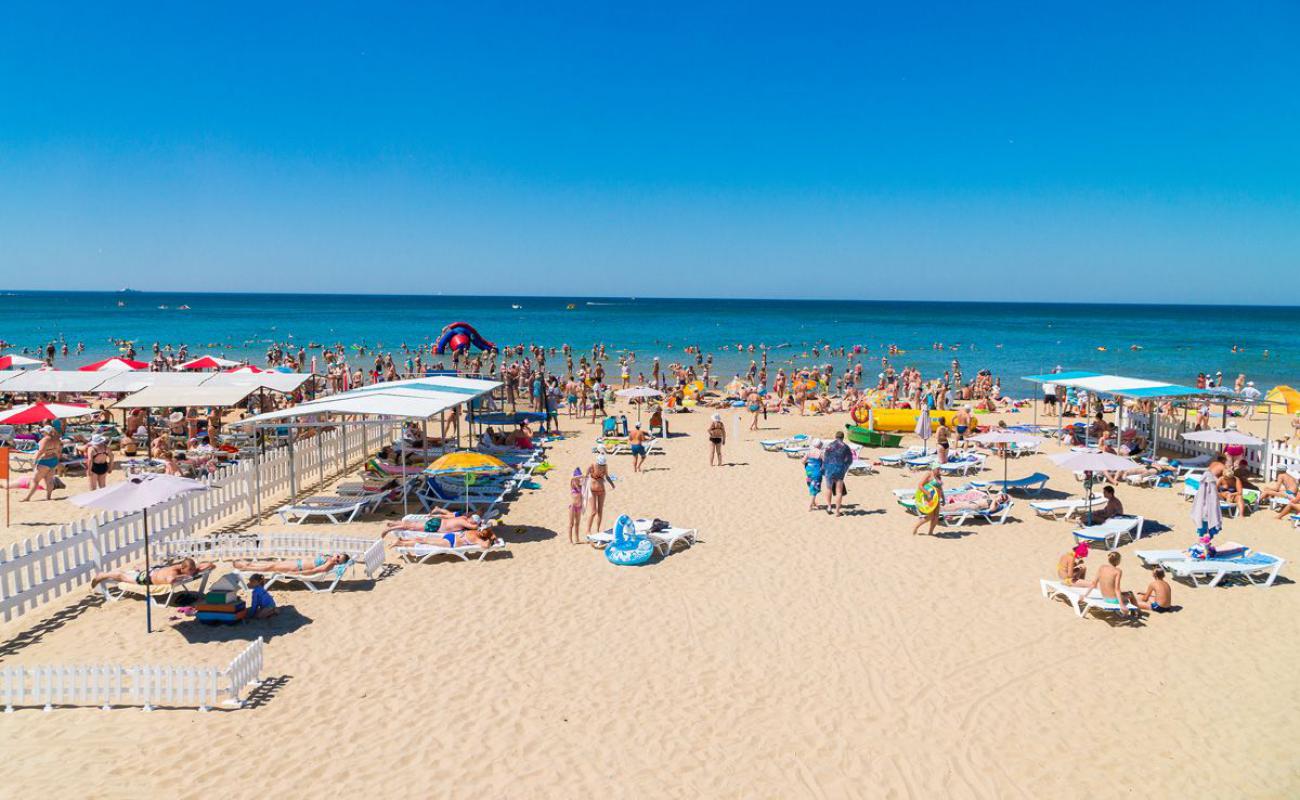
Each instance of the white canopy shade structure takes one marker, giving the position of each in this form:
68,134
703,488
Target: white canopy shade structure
135,381
275,381
55,380
186,396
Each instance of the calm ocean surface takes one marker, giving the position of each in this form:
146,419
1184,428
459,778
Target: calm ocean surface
1012,339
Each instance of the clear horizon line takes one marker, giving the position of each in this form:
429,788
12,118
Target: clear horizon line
650,297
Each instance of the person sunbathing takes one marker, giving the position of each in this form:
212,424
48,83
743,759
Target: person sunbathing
440,521
972,501
162,575
296,566
1285,486
1113,507
483,537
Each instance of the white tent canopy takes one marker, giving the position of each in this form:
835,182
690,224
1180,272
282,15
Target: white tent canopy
62,380
56,380
186,396
419,398
135,381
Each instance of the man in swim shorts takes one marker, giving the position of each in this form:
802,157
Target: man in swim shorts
155,576
961,422
637,438
441,521
1159,596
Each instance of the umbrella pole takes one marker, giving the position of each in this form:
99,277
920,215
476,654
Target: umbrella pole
405,502
148,593
1268,427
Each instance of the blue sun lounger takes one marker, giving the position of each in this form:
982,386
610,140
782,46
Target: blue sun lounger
1030,484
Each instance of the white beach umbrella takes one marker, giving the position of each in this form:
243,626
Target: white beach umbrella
1006,437
1093,462
923,429
1225,437
638,393
139,493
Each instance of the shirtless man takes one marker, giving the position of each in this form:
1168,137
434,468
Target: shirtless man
1159,596
1109,581
961,422
155,576
440,521
1070,568
1113,507
637,439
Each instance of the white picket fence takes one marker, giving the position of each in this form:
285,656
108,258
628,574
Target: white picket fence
369,553
146,685
56,562
1279,457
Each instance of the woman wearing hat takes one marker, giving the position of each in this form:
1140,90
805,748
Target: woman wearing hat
99,460
597,477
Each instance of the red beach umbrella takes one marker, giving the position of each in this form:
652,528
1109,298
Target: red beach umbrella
114,365
42,412
208,362
18,362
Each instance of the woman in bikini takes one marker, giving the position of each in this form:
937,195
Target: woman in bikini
99,460
597,477
296,566
47,460
717,438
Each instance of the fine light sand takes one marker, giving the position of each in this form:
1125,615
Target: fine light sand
788,654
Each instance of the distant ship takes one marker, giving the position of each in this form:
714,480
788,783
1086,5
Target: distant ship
127,290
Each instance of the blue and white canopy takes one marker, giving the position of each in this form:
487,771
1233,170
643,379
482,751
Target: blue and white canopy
1116,385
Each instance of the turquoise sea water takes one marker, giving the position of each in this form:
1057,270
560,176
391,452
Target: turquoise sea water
1012,339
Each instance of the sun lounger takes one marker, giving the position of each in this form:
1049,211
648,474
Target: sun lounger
664,540
962,466
371,560
1064,509
1082,602
332,508
898,459
773,445
993,516
1110,532
113,590
1030,485
861,467
1226,550
423,553
1250,497
1018,450
1212,571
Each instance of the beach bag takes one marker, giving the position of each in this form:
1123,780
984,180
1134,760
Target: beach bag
659,525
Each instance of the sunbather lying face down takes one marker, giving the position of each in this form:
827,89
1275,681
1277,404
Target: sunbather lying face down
972,501
484,538
296,566
155,576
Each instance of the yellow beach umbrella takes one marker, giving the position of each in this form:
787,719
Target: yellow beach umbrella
1285,394
469,464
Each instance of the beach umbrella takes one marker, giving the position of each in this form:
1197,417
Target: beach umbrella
33,413
468,464
139,493
1285,394
246,369
208,362
638,393
18,362
114,365
923,429
1093,462
1006,437
1225,436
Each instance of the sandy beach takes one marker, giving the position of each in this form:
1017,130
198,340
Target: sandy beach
787,654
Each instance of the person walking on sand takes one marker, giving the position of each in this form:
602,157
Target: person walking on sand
929,498
637,439
717,438
47,461
836,461
597,477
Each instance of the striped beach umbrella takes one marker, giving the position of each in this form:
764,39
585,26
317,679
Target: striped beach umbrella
114,365
208,362
34,413
18,362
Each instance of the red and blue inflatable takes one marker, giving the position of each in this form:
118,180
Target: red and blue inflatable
458,336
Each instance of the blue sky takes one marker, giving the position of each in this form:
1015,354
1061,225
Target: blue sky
1140,151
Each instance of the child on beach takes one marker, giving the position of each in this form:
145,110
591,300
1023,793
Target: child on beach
1159,595
262,605
575,506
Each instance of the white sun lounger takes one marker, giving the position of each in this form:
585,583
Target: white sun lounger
993,516
861,467
1212,571
1082,602
1110,532
334,509
962,466
423,553
898,459
664,540
372,561
1227,550
1064,509
113,591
